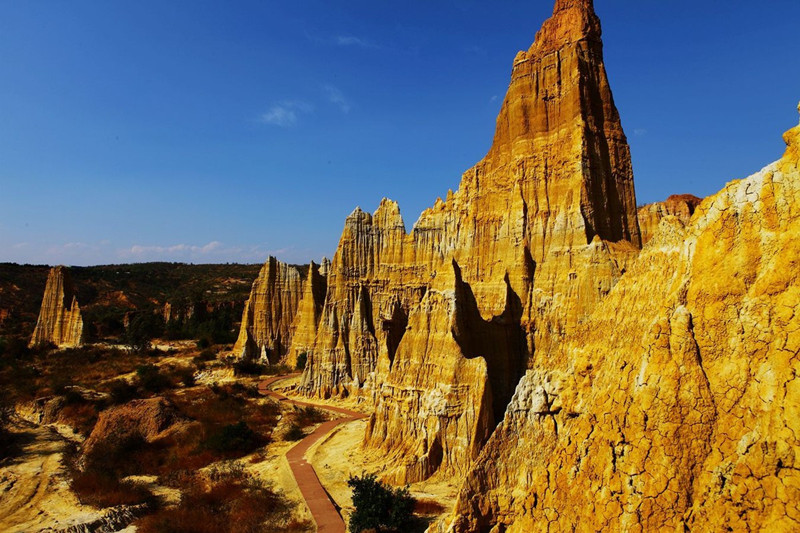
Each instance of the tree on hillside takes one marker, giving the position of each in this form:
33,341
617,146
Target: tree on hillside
143,328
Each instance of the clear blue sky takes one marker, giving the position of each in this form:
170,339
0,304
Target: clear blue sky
225,131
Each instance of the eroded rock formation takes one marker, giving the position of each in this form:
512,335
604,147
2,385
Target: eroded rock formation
436,326
677,205
266,330
60,320
676,406
148,420
306,320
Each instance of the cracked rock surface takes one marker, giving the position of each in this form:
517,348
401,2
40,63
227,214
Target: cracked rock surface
676,405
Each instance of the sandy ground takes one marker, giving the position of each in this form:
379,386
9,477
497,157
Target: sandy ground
272,467
34,487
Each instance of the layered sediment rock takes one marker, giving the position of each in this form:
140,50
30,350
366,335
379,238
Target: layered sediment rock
681,206
149,420
266,330
60,320
304,326
538,233
676,405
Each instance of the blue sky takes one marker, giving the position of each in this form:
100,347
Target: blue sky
226,131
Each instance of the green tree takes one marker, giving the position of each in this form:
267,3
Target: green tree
143,328
379,506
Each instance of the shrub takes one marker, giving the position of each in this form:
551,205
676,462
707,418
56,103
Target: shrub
141,330
205,356
301,361
203,343
248,368
7,440
121,391
379,506
231,502
72,397
276,370
295,433
232,438
102,488
152,379
186,376
305,416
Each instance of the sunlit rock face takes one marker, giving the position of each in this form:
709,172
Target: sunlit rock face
60,322
266,330
437,325
676,405
677,205
306,320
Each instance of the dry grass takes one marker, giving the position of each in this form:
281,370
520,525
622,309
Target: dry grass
426,507
230,501
104,489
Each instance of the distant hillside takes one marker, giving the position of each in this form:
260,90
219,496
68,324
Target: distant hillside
107,293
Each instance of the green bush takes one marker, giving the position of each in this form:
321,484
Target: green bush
276,370
301,361
151,379
203,343
379,506
232,438
186,375
143,328
121,391
248,368
295,433
205,356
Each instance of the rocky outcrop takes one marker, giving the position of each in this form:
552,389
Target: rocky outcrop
266,330
304,326
60,322
675,406
538,233
148,420
677,205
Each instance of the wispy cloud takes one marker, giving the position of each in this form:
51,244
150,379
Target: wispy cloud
639,132
214,251
285,114
342,39
336,97
493,98
104,252
352,40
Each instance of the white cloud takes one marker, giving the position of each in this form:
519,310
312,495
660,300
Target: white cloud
336,97
285,114
493,98
351,40
639,132
103,252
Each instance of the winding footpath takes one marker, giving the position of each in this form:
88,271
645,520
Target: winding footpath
319,502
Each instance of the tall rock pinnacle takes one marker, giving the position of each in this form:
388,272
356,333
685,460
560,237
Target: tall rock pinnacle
674,405
437,325
60,320
266,330
559,123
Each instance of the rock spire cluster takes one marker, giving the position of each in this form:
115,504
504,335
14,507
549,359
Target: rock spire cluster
436,326
60,322
675,406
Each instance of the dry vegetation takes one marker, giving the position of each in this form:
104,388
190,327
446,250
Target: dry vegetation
227,499
219,423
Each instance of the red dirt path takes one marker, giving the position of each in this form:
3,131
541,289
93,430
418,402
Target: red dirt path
319,502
